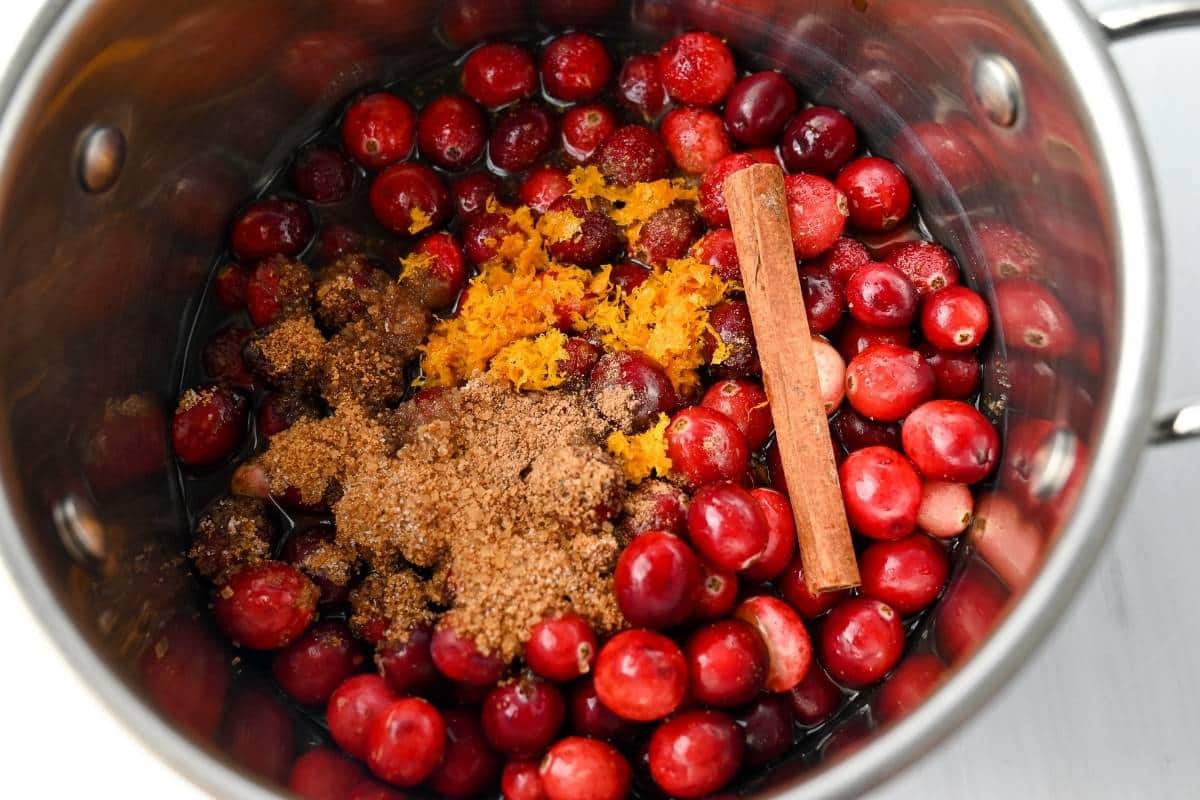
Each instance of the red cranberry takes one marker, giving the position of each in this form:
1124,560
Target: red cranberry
815,698
696,753
634,382
717,249
795,591
781,535
336,240
717,594
451,132
407,665
208,425
596,240
322,175
789,648
352,709
667,235
712,192
274,226
499,74
856,337
727,662
882,493
727,526
949,440
633,154
183,669
465,22
520,719
817,212
561,648
731,321
968,612
886,382
520,781
281,410
758,108
861,640
229,285
956,375
410,198
581,359
745,403
640,86
406,742
459,659
656,580
591,718
697,68
929,266
767,728
628,276
878,193
696,138
907,574
301,546
1032,318
575,66
576,768
907,687
443,273
258,733
222,357
265,606
956,318
471,193
483,233
641,675
706,446
522,136
855,431
584,129
880,296
379,130
820,140
324,774
843,259
370,790
311,667
824,298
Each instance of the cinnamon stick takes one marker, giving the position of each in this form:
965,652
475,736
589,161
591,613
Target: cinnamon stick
759,216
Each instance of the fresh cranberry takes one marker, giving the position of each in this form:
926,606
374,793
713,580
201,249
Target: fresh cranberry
628,276
520,781
955,318
442,274
640,86
654,505
956,375
336,240
968,612
880,296
831,374
861,640
946,508
1032,318
575,66
745,403
781,535
274,226
279,411
265,606
706,446
929,266
577,768
520,719
758,108
584,129
820,140
302,545
712,192
882,493
717,249
483,234
258,733
406,742
696,753
795,591
222,357
208,425
907,687
696,138
183,669
856,338
465,22
471,193
229,285
451,132
631,383
727,662
949,440
878,193
667,235
459,659
407,665
641,675
522,136
633,154
907,574
656,580
322,175
767,728
824,298
1006,539
843,259
697,68
324,774
816,211
886,382
789,648
716,595
591,718
370,790
311,667
727,526
561,648
353,708
410,198
815,698
855,431
596,240
379,130
731,321
581,359
499,74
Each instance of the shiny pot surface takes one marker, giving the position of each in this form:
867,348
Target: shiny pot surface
133,129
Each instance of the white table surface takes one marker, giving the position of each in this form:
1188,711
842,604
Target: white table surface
1108,708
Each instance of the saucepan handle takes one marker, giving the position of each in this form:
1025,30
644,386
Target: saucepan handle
1124,22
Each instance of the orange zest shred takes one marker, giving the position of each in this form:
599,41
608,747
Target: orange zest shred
643,453
632,204
416,263
420,220
531,363
559,226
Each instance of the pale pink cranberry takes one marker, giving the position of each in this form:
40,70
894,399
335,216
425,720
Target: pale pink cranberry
767,728
861,640
266,606
881,296
908,574
831,374
887,382
781,535
949,440
520,781
1006,539
705,446
641,675
727,526
946,508
324,774
968,611
561,648
882,493
878,193
656,580
696,138
406,742
815,698
727,662
717,594
310,668
696,753
816,211
576,768
469,767
789,647
520,719
697,68
1032,318
795,591
929,266
459,659
352,710
907,687
758,107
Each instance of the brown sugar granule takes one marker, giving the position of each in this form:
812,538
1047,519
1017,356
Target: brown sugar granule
405,604
333,563
400,321
346,289
615,401
231,533
293,291
579,486
290,354
360,369
653,505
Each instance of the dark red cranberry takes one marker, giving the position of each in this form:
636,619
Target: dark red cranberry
758,108
459,659
929,266
581,359
406,742
208,425
697,68
379,129
229,285
881,296
656,580
781,535
667,235
856,338
1031,318
712,191
809,604
706,446
584,129
717,594
767,728
815,698
640,86
861,640
878,193
882,493
817,213
465,22
324,774
499,74
955,375
407,665
596,240
731,321
628,276
521,719
471,193
322,65
353,708
322,175
561,648
410,198
907,574
451,132
265,606
370,790
844,259
183,669
576,767
630,386
727,526
949,440
789,648
336,240
441,274
270,227
641,675
654,505
824,298
281,410
907,687
727,662
717,249
968,612
222,357
696,138
521,137
306,543
886,382
696,753
633,154
855,431
258,733
483,234
520,781
591,718
745,403
820,140
575,66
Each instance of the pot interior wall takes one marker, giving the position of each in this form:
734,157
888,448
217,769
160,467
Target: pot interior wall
97,290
